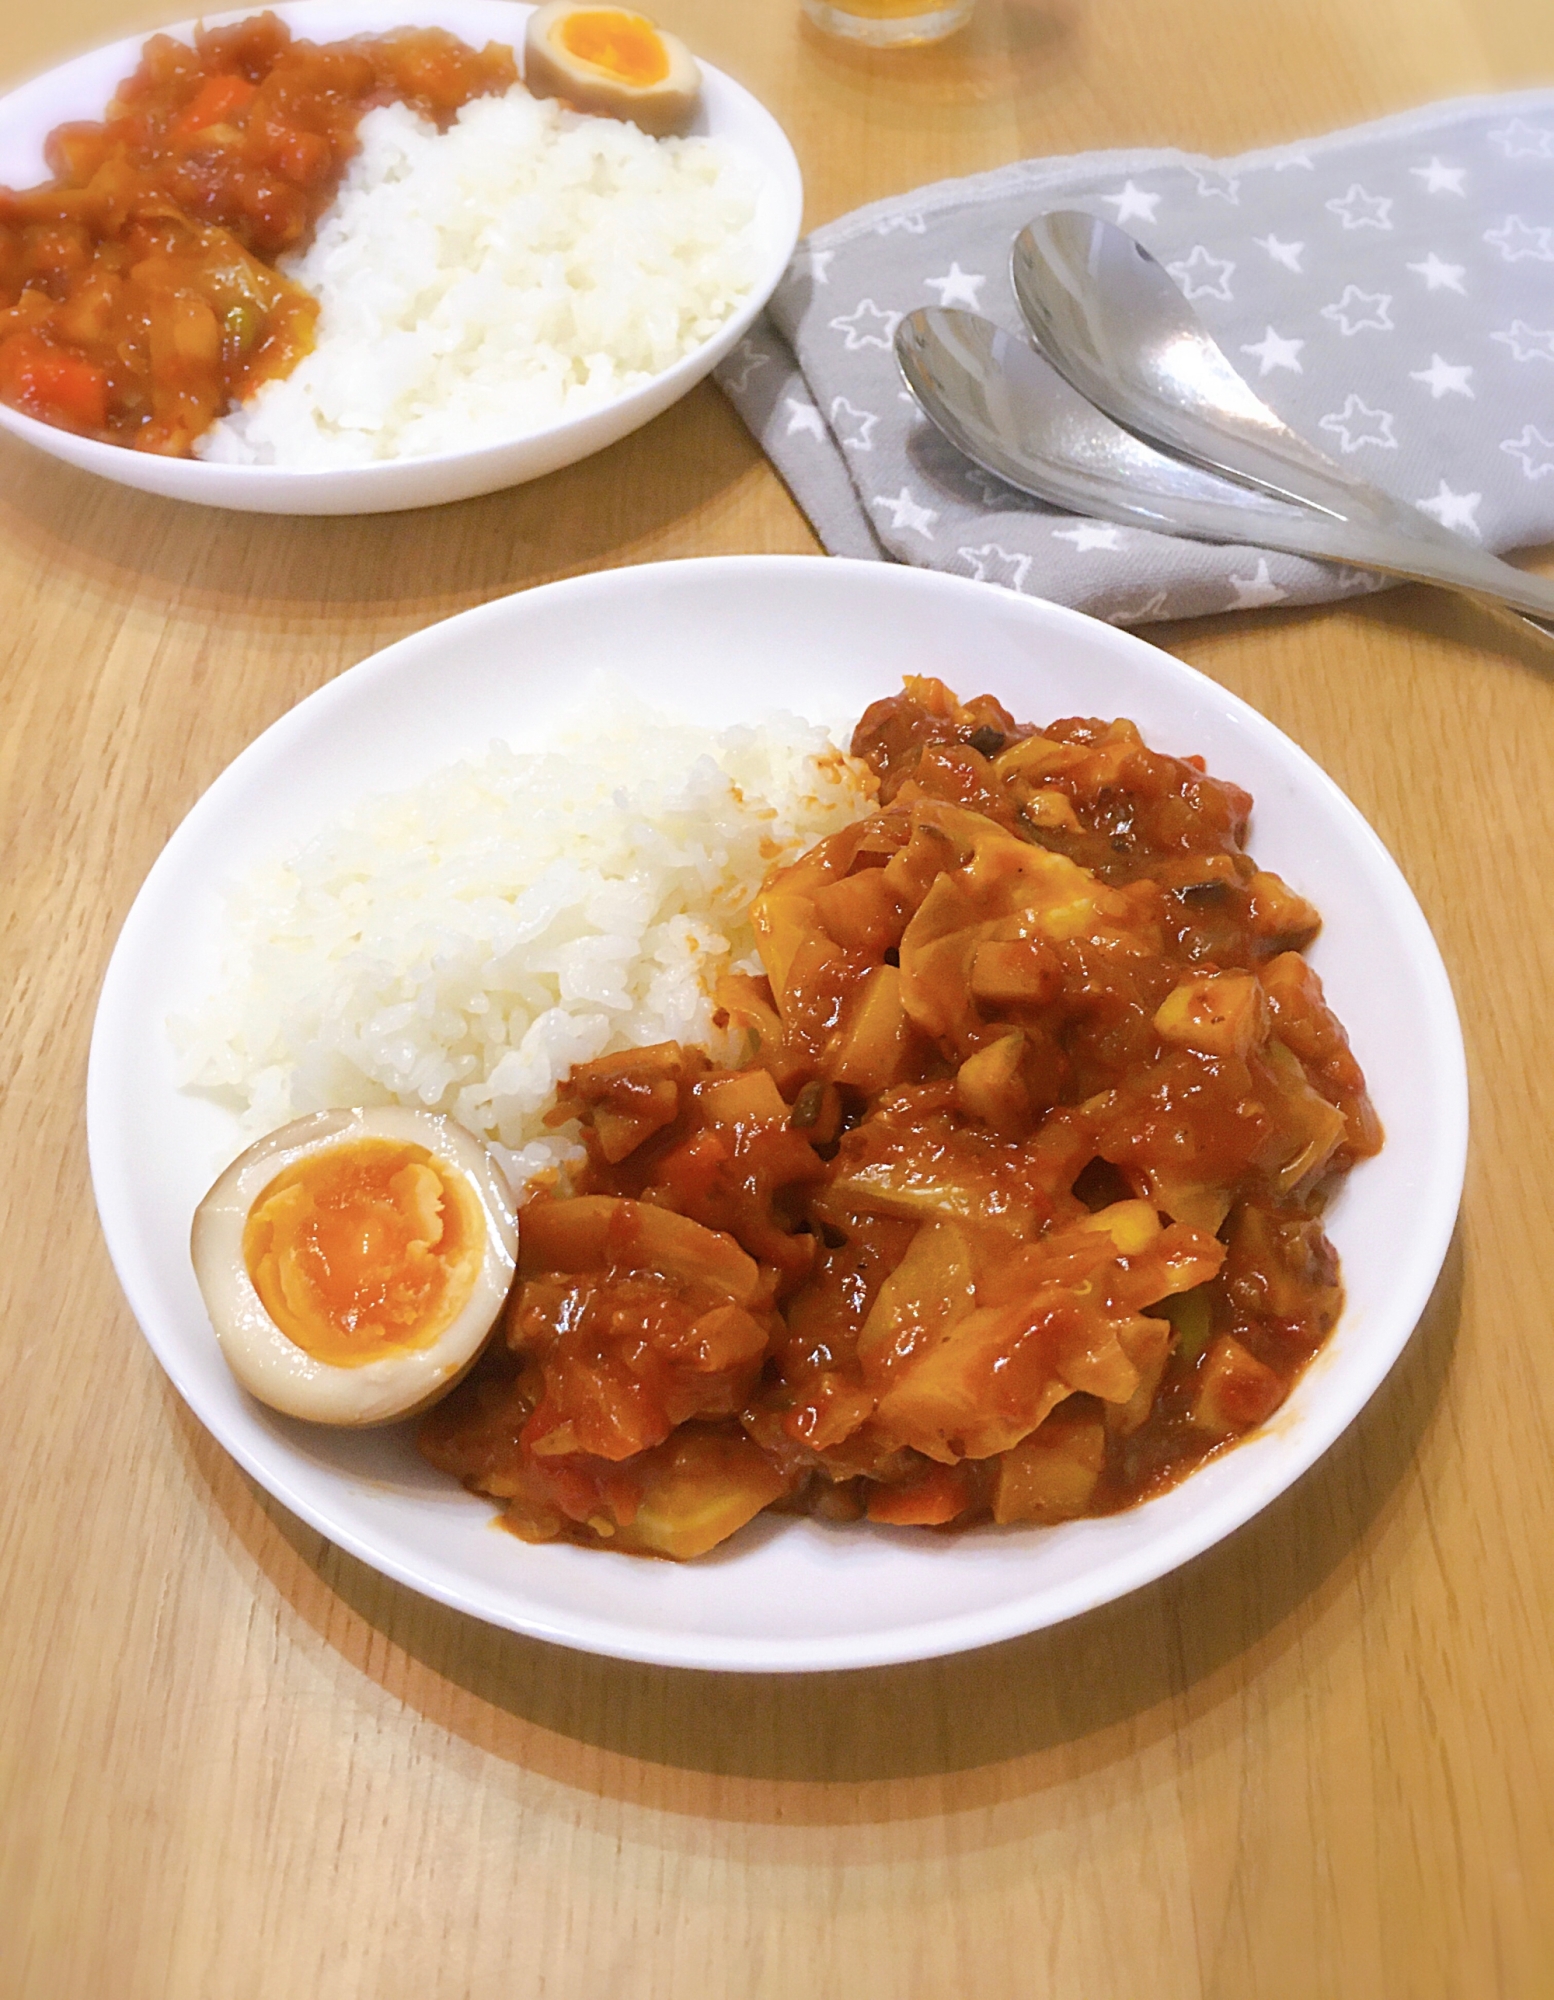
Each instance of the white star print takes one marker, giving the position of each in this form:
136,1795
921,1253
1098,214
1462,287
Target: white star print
1086,535
1253,591
1287,254
1514,240
1133,204
1142,613
914,224
1453,510
853,427
1526,343
959,288
1443,378
1521,141
1439,276
754,359
1357,310
1192,275
1356,424
906,513
867,326
804,417
814,264
1526,448
1438,179
986,562
1212,182
1274,351
1359,210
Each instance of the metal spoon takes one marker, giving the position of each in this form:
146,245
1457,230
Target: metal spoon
1111,320
1013,414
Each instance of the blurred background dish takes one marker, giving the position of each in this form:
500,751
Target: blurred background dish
82,88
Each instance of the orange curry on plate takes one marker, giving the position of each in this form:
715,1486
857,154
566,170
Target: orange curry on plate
139,299
1012,1212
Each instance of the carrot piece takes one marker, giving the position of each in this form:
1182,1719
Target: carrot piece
216,102
49,383
928,1502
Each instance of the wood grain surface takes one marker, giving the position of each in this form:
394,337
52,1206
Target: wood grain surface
233,1762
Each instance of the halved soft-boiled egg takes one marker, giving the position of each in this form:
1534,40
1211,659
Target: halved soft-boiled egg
353,1262
611,61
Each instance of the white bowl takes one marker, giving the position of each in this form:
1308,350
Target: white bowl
727,640
81,89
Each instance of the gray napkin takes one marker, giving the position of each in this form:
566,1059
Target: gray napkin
1388,290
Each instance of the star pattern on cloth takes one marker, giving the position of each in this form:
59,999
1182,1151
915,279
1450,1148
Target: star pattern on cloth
1287,254
1211,182
854,427
1417,335
1252,592
751,359
958,288
1357,424
1515,240
1439,179
1440,276
907,513
1535,451
1443,378
1133,204
1087,535
804,420
812,264
1142,613
992,564
1526,343
1357,310
1193,274
1521,141
1359,210
1453,510
1274,351
867,326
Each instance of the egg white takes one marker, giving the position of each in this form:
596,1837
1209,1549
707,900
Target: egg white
551,70
272,1366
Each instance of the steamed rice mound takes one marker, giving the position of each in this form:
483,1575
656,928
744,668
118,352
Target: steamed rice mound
527,265
461,945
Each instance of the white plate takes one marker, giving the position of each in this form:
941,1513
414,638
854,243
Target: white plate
727,640
81,89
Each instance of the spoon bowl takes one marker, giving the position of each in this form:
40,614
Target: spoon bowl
1010,412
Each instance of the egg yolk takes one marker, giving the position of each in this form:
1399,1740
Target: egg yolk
623,45
365,1250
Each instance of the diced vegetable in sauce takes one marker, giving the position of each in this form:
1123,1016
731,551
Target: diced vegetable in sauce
1015,1212
138,298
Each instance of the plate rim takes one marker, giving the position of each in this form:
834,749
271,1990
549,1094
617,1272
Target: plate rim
1124,1573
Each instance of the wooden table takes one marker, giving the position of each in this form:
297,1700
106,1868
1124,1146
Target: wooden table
233,1762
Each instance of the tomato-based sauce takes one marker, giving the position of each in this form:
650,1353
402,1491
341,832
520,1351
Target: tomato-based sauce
1015,1211
138,295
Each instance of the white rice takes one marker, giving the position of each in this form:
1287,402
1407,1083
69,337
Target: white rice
461,945
526,265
